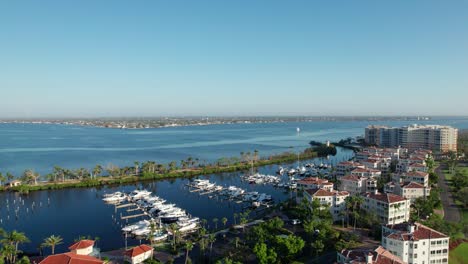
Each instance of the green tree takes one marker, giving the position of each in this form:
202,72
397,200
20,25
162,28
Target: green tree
188,248
264,254
215,221
211,239
14,239
288,246
97,171
224,221
51,242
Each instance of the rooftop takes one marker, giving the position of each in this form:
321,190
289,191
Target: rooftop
70,258
82,244
386,197
138,250
421,232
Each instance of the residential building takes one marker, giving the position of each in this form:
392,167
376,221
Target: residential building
367,256
389,208
410,190
315,183
69,257
431,137
357,184
345,167
82,247
335,200
82,251
412,176
416,243
138,254
366,172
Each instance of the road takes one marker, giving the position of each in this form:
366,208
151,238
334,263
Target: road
451,211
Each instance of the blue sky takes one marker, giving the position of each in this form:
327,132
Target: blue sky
153,58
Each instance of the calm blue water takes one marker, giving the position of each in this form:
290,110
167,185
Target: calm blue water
76,212
40,147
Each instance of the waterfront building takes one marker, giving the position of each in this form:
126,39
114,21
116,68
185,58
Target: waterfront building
420,177
335,200
411,190
69,257
408,165
82,247
345,167
367,256
315,183
389,208
82,251
366,172
138,254
355,184
432,137
416,243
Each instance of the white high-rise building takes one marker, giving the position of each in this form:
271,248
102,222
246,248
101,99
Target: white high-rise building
432,137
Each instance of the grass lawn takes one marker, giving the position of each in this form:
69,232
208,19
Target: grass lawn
459,255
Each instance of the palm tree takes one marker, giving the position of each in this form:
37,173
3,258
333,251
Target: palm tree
52,241
30,176
137,165
211,239
215,221
236,240
2,178
235,216
224,221
14,238
188,248
7,252
151,234
97,170
173,229
10,176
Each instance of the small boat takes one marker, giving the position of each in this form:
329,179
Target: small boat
115,198
255,204
188,228
136,226
159,236
139,194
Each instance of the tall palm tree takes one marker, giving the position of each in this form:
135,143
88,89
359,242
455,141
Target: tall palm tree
14,238
188,248
97,170
215,221
52,241
211,239
224,221
9,176
137,165
2,178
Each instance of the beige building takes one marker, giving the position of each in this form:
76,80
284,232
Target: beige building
389,208
139,254
413,137
357,184
334,199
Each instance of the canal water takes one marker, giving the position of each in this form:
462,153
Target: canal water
72,213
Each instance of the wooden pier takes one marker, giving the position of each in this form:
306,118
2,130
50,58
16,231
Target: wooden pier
132,216
124,205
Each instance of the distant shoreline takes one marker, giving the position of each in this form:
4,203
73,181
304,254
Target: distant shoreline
165,122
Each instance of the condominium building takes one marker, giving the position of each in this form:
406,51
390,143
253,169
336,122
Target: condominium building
420,177
315,183
415,243
431,137
358,184
345,167
389,208
411,190
334,199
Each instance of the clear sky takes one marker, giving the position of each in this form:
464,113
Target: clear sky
195,57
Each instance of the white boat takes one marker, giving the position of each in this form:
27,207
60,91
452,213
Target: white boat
139,194
199,183
189,227
138,225
142,231
158,236
280,170
115,198
292,172
255,204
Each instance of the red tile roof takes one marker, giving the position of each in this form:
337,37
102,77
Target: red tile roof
322,192
314,180
417,174
379,256
138,250
352,178
386,197
413,185
70,258
421,232
82,244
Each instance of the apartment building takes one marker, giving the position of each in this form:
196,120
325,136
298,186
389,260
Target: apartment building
357,184
413,137
411,190
315,183
420,177
345,167
415,243
334,199
389,208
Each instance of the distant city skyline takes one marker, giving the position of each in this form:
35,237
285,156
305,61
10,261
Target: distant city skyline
241,58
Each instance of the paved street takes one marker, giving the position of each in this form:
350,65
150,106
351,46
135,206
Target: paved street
451,211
